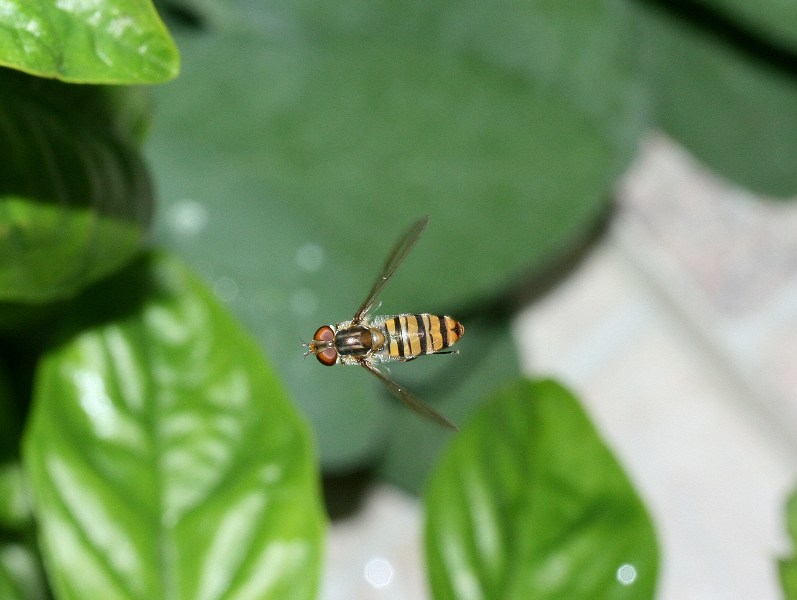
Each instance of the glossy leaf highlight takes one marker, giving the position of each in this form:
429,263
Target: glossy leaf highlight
165,458
529,503
104,41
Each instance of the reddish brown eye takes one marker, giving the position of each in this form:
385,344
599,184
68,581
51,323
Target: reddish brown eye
325,351
327,357
324,334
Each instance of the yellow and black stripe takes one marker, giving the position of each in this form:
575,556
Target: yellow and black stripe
408,336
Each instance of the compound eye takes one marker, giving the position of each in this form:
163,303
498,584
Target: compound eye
327,357
324,334
324,338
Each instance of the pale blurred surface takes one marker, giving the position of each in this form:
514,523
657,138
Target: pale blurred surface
387,533
678,332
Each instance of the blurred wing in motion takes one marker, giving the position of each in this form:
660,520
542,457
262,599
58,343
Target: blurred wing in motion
394,259
413,402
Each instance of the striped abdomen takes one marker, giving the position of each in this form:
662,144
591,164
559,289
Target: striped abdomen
408,336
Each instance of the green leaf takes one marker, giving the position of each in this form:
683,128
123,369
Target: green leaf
165,458
351,120
529,503
788,566
106,41
75,197
736,111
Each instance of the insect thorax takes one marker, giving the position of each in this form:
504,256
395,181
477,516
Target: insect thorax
355,341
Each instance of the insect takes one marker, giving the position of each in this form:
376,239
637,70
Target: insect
367,341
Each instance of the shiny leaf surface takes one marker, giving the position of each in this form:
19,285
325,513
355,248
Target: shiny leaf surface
105,41
529,503
165,458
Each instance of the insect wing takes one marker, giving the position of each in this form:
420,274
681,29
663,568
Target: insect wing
413,402
394,259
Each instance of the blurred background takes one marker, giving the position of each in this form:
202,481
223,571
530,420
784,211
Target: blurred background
610,188
678,333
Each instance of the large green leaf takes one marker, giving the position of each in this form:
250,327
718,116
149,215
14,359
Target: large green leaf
736,111
529,503
788,566
165,458
287,177
104,41
75,197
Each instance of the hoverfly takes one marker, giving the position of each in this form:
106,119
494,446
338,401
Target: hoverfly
368,341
